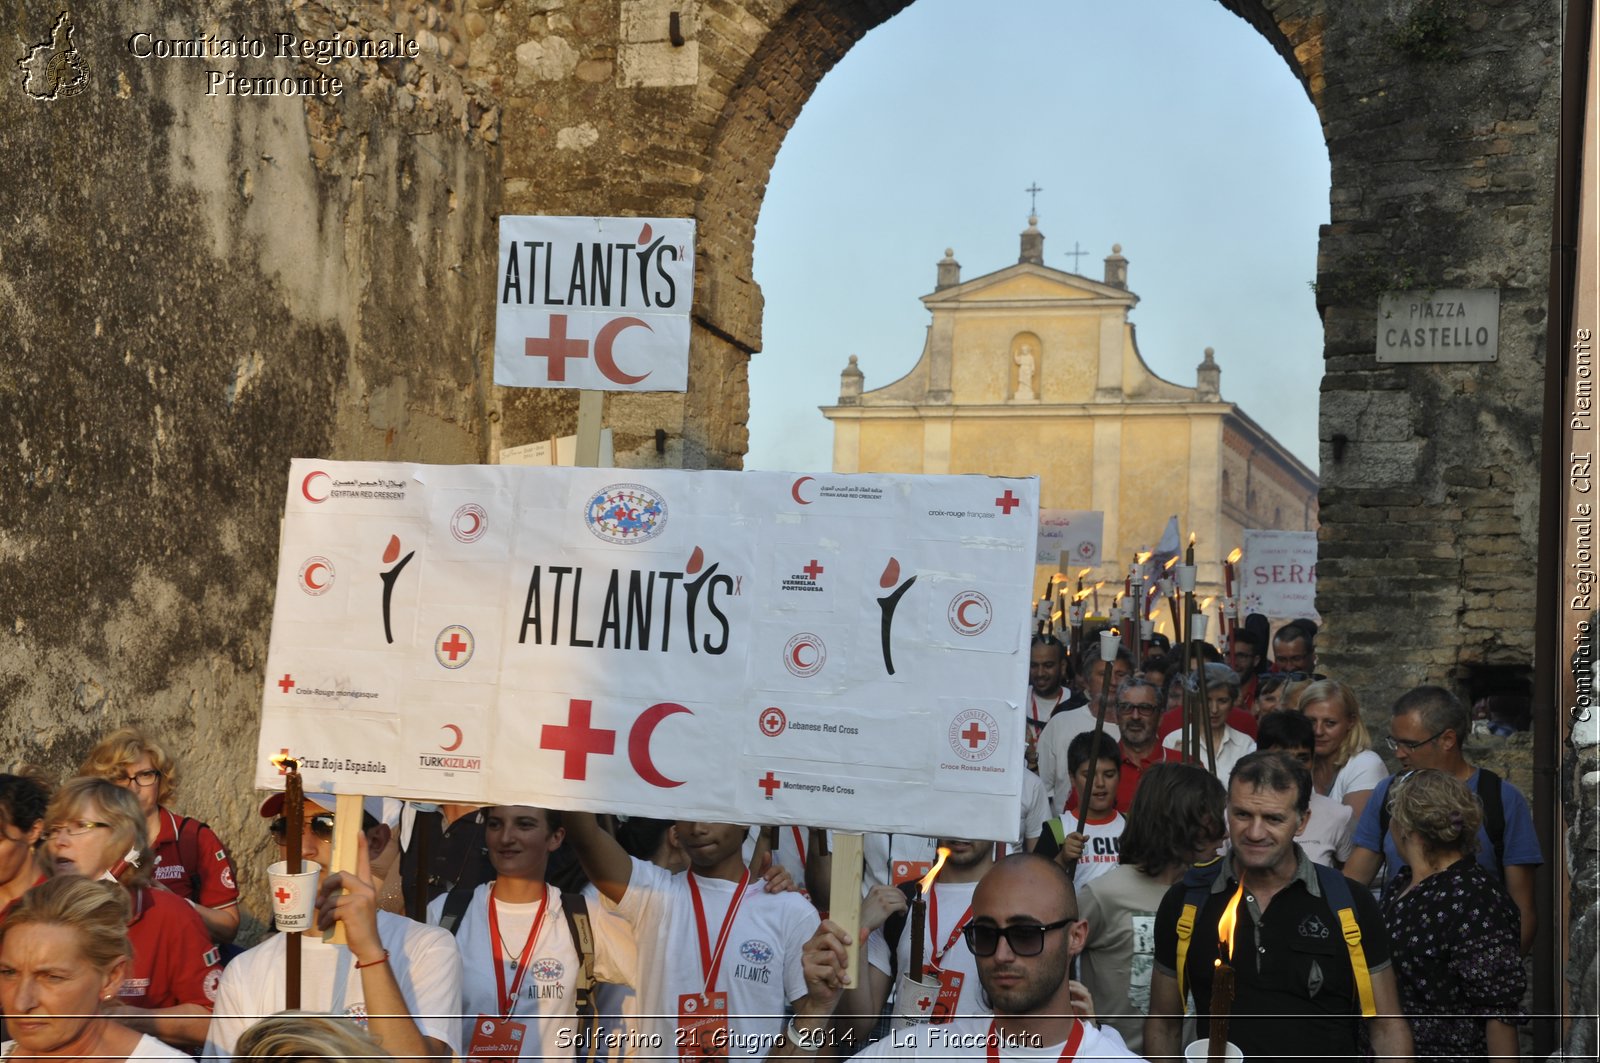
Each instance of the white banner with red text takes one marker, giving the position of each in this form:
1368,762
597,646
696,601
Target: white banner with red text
1278,574
828,650
600,304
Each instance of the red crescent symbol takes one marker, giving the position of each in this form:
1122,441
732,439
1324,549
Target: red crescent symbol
452,747
961,613
795,490
305,486
795,656
311,568
476,524
639,743
602,351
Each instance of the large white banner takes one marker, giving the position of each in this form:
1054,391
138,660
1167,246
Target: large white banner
1278,574
840,651
1070,537
595,303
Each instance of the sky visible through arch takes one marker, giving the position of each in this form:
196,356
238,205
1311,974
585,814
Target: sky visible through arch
1169,126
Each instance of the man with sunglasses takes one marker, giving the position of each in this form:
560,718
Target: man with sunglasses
1427,728
390,970
1024,933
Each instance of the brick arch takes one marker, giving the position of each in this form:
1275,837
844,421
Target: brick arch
767,96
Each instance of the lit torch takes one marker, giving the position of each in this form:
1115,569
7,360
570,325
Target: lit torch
1222,981
919,914
1229,610
294,820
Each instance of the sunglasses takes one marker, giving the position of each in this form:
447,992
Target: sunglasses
1025,939
321,826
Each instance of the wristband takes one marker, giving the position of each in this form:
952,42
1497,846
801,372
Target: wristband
382,959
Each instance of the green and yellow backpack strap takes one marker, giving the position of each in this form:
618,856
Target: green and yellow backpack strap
1336,890
1196,888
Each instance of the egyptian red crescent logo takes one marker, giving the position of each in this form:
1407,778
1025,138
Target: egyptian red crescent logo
307,484
795,490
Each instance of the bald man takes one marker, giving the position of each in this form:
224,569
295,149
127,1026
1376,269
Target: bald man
1024,933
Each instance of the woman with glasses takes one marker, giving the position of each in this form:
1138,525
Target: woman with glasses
1343,765
96,830
190,860
63,956
1453,929
23,800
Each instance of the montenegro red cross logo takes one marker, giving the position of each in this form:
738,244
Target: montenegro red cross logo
769,784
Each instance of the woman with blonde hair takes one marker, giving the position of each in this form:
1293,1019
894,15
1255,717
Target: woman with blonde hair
96,830
307,1037
190,860
63,955
1453,930
1343,765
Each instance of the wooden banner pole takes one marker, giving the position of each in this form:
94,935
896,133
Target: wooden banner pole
591,410
347,839
844,896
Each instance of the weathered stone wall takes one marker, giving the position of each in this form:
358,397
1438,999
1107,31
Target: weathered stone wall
193,290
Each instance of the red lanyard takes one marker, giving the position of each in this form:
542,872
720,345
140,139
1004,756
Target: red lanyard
508,1000
799,845
933,926
711,962
1068,1051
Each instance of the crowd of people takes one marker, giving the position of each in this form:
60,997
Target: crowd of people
1368,913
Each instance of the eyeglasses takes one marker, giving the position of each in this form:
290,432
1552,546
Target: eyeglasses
1135,707
1398,744
75,829
148,777
321,826
1024,939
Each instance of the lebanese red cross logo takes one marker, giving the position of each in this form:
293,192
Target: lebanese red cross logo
577,740
455,647
813,570
1008,501
286,684
974,734
769,784
282,894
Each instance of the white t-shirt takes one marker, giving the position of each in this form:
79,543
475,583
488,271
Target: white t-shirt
760,972
1235,746
1361,772
948,907
881,852
147,1048
546,999
1058,735
969,1039
1035,806
1329,832
423,959
1100,848
616,1003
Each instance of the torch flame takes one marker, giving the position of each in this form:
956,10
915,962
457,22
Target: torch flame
1141,558
1206,604
1233,558
926,883
1192,538
284,763
1082,572
1173,560
1081,595
1226,925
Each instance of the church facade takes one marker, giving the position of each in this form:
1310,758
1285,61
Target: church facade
1034,371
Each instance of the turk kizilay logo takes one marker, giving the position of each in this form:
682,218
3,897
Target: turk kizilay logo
54,69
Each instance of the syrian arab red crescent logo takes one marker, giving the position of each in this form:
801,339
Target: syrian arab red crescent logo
969,613
804,655
306,487
795,490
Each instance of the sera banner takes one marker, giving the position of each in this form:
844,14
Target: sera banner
1278,574
600,304
839,651
1069,537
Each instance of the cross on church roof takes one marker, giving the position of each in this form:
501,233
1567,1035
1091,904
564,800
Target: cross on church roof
1075,254
1033,191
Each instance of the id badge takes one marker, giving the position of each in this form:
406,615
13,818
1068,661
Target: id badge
703,1026
495,1038
909,871
944,1005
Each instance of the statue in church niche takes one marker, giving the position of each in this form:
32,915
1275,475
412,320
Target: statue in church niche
1025,366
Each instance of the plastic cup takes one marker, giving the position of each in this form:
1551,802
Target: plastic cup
914,1002
1196,1052
294,897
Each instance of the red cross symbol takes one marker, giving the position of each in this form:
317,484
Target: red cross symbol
813,570
924,1004
282,894
1008,501
577,739
455,647
556,347
974,734
769,784
286,684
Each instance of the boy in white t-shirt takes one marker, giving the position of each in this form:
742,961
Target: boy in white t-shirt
1093,851
719,956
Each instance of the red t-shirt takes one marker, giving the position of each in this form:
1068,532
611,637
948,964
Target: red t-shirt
1128,779
218,888
174,960
1238,719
